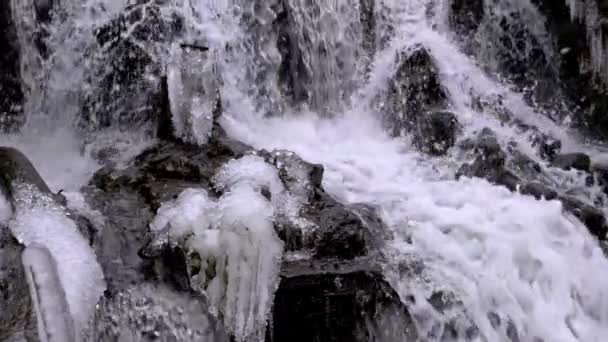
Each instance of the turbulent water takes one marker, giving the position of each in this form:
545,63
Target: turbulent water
510,264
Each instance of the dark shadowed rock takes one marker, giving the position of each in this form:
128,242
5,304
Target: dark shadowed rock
12,97
592,218
539,191
577,161
15,167
489,157
127,71
465,17
15,304
581,86
348,303
414,91
524,165
437,132
601,172
548,147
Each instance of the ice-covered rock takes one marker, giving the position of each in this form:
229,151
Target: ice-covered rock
51,237
54,321
39,220
232,247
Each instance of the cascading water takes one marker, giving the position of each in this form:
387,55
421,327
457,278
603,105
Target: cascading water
506,267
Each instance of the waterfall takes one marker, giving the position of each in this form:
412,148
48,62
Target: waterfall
315,77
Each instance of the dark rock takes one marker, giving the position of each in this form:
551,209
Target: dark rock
293,73
414,91
508,179
466,16
344,305
15,167
437,132
345,232
582,86
577,161
601,172
12,98
592,217
548,147
539,191
127,76
489,157
524,165
15,299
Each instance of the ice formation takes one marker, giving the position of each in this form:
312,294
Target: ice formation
234,237
48,297
39,221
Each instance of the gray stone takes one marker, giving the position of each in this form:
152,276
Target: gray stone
577,161
539,191
592,217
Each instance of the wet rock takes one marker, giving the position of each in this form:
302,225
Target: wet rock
524,165
437,132
17,316
293,73
15,167
577,161
539,191
341,231
414,91
344,232
126,75
592,217
489,157
601,172
548,147
508,179
11,101
155,313
466,16
583,87
342,302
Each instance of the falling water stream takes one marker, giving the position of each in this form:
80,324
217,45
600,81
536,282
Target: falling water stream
511,267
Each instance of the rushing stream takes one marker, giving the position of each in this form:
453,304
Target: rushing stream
511,267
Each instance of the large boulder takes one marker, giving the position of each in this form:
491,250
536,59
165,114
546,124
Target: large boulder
350,302
331,242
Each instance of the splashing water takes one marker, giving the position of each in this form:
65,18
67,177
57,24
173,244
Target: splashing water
501,258
511,268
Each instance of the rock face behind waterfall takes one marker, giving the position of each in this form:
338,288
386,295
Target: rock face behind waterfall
11,93
126,76
565,51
